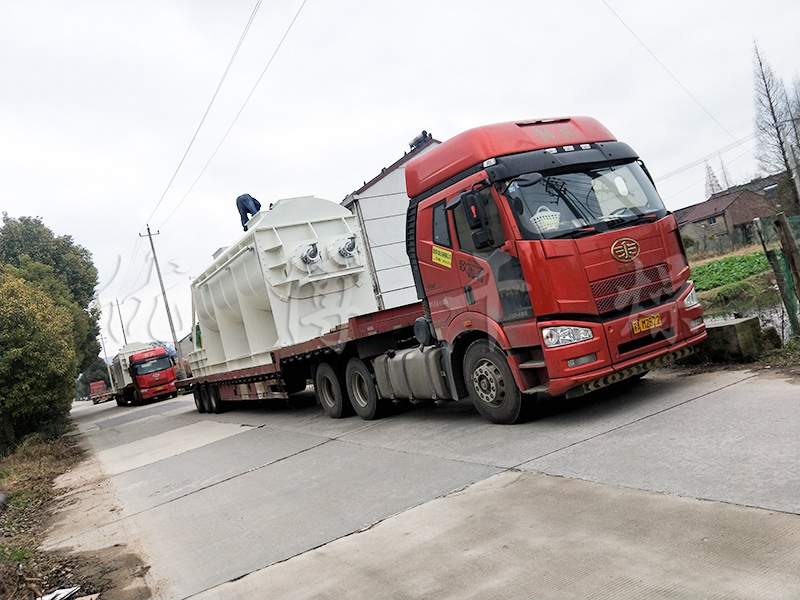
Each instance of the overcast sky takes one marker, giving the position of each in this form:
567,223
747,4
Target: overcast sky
101,99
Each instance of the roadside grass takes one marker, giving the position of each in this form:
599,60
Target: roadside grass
26,480
788,356
753,293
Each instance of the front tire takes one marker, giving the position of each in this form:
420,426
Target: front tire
361,389
330,393
490,383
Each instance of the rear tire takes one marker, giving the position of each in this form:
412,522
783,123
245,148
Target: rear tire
198,399
491,384
215,405
361,389
330,392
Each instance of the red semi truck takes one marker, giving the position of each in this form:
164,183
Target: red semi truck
544,262
98,392
142,373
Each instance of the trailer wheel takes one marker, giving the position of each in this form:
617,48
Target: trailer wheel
361,389
215,405
198,399
491,384
329,391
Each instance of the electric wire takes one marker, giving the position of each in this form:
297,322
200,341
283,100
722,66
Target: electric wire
698,182
663,66
210,104
250,20
238,114
700,161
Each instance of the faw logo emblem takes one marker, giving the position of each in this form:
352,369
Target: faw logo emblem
625,250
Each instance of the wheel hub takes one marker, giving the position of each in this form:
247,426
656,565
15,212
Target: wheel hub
489,384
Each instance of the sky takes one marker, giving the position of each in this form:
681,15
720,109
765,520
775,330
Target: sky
107,123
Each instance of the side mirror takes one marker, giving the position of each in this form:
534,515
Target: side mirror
474,210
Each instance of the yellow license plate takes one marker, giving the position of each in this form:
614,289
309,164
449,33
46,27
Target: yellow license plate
647,323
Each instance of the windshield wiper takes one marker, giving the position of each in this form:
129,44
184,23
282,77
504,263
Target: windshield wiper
573,233
614,222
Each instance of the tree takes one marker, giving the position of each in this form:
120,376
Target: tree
37,360
62,269
772,120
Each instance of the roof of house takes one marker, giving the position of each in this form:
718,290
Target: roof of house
716,205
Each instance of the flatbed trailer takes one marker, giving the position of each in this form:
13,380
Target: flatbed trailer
322,360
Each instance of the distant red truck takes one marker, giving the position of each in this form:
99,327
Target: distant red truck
98,392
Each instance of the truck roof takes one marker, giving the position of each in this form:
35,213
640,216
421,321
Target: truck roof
148,354
472,147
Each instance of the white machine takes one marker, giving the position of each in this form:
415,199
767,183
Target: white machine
297,273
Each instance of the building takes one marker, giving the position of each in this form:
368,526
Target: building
381,205
726,219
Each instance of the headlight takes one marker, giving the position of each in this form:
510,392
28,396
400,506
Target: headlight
692,299
562,336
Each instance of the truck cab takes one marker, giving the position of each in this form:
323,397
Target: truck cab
546,262
153,374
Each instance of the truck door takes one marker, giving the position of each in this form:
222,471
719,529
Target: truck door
491,279
439,273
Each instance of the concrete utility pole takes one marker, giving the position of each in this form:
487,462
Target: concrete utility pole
166,302
119,312
105,360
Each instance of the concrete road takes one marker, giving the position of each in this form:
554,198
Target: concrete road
678,486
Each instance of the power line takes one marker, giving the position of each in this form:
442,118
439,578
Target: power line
663,66
191,143
700,161
238,114
210,104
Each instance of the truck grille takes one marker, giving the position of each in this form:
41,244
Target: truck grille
619,292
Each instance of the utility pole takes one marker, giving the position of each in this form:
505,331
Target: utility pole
166,303
119,311
108,367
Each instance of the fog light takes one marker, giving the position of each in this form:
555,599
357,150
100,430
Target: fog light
695,322
583,360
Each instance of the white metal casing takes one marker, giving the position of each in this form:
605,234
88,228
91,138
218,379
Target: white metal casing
261,294
119,365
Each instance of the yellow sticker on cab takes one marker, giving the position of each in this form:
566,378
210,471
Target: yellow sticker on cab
442,256
647,323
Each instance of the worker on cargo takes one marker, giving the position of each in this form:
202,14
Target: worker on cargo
247,205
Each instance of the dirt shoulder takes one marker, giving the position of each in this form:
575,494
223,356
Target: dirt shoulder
68,537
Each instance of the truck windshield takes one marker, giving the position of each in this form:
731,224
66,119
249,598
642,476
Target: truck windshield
152,365
583,202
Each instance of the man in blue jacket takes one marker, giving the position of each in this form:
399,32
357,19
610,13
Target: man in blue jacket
247,205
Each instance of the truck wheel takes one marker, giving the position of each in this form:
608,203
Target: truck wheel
215,405
329,392
491,384
120,401
361,389
198,399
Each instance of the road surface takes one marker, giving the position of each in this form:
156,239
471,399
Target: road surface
678,486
